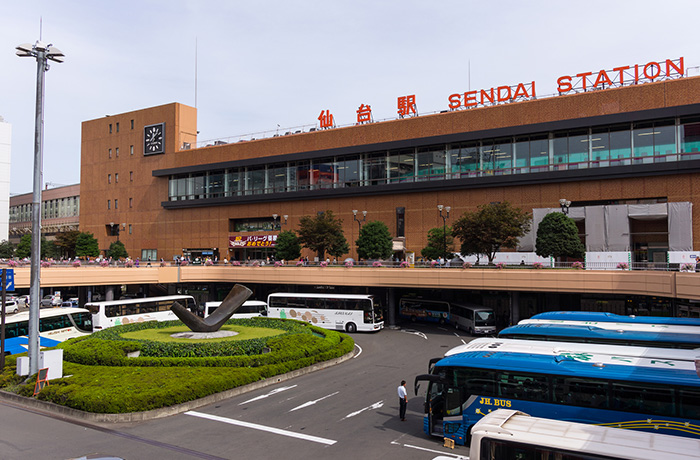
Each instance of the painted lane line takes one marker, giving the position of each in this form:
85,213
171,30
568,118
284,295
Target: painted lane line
458,457
374,406
360,348
457,335
275,391
418,333
255,426
311,403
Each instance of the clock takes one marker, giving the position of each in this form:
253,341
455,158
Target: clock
154,139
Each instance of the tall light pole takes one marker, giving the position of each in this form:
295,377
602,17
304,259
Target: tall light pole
444,228
359,225
42,53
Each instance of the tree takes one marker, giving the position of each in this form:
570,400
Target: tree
117,250
48,249
65,243
375,241
287,246
86,245
491,227
440,244
323,233
557,236
7,249
24,248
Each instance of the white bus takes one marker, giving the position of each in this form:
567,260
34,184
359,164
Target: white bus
475,319
125,311
55,325
344,312
619,326
506,434
249,309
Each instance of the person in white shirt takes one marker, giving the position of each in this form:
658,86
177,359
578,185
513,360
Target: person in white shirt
403,400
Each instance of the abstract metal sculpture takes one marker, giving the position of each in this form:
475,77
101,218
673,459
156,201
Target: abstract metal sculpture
213,322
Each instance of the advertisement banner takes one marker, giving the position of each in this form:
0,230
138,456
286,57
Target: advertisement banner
252,241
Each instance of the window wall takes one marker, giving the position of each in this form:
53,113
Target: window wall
651,141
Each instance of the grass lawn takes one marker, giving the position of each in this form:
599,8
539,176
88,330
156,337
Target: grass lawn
163,334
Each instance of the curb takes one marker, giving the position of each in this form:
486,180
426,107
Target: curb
171,410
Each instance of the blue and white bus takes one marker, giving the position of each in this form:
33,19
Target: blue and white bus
599,316
463,387
55,326
612,334
419,309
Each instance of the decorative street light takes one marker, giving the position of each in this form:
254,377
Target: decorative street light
359,222
274,220
444,228
42,53
564,203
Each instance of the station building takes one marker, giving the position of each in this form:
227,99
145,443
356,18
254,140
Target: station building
624,150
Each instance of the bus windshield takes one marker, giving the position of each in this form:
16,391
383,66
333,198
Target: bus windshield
484,318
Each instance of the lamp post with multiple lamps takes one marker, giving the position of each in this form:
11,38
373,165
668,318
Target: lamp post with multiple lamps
274,220
444,228
565,204
42,53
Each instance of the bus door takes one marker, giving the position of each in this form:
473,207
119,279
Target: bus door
434,406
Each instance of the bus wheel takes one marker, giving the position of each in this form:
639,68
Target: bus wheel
442,321
350,327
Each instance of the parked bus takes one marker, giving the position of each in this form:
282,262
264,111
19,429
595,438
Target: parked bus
510,434
125,311
249,309
418,309
621,335
344,312
475,319
599,316
55,325
610,354
662,397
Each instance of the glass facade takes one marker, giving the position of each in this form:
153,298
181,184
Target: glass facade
651,141
50,209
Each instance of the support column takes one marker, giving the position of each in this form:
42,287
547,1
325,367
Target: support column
109,292
514,307
390,321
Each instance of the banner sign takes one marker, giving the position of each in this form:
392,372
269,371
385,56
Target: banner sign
252,241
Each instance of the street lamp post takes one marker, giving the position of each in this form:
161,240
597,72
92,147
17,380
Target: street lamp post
565,204
274,220
42,53
444,228
359,224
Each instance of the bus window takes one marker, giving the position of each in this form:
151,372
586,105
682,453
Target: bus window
646,399
689,404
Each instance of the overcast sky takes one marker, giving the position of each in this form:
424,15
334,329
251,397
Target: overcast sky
261,63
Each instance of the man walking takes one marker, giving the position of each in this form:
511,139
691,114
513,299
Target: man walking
403,400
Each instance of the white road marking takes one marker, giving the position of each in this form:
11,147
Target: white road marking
374,406
418,333
359,352
268,429
457,335
311,403
458,457
277,390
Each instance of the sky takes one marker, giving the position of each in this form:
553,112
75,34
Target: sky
267,65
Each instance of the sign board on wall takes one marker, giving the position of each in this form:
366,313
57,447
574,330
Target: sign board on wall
252,241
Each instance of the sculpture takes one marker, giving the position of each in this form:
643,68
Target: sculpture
213,323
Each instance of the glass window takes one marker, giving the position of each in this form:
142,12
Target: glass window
578,149
349,172
277,178
487,157
234,184
503,155
530,387
643,398
325,173
402,165
580,392
689,403
215,185
600,147
303,174
256,180
560,146
431,163
521,154
620,145
375,169
665,140
197,181
464,159
643,138
690,138
539,153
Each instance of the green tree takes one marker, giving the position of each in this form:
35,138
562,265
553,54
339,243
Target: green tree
7,249
24,248
557,236
117,250
375,241
491,227
65,243
48,249
440,244
287,246
86,245
323,233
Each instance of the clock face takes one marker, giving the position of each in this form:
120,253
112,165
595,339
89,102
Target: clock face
153,139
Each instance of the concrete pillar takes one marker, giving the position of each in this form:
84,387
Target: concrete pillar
392,307
514,307
109,292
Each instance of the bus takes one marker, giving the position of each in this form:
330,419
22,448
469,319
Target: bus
55,325
506,434
419,309
475,319
610,354
249,309
620,335
343,312
464,387
599,316
110,313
